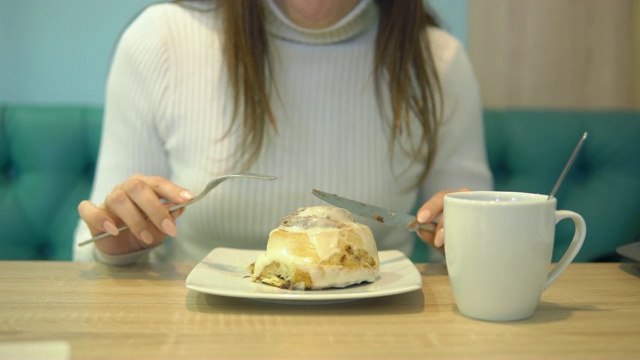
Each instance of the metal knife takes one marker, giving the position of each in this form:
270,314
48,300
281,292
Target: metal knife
385,216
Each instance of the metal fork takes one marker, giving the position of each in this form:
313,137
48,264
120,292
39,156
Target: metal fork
212,184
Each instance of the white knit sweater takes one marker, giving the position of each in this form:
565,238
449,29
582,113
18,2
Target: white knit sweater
167,110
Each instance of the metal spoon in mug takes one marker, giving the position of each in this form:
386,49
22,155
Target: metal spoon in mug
568,166
212,184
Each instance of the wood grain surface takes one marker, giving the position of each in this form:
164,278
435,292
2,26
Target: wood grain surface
145,311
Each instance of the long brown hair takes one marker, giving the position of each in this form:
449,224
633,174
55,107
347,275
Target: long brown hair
403,67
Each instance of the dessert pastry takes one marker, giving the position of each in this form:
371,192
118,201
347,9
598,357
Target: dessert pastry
318,247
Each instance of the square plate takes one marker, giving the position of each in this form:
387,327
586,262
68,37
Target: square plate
225,272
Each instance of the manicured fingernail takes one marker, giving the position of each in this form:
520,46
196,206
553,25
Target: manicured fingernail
169,227
439,240
423,216
187,195
110,228
146,237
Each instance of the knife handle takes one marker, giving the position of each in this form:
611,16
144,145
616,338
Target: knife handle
428,227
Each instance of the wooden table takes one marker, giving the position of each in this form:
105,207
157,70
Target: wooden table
145,311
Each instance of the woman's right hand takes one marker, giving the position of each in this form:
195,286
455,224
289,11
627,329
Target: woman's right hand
136,203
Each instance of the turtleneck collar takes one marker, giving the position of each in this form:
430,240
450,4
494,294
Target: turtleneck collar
363,16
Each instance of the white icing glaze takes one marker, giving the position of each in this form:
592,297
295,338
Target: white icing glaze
322,225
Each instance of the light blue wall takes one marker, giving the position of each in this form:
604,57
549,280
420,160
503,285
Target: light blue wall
58,51
453,15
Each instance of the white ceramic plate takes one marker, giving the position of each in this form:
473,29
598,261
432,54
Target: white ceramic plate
225,272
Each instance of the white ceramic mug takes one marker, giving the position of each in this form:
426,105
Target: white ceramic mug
498,248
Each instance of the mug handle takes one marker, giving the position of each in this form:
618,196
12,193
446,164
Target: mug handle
573,249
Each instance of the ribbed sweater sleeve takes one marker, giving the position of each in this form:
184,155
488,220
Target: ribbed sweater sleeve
461,158
136,102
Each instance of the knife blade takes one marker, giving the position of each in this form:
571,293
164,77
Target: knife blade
379,214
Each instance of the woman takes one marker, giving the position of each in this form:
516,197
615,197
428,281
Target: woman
367,99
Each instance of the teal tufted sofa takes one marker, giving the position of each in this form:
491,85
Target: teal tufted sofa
48,153
47,157
528,150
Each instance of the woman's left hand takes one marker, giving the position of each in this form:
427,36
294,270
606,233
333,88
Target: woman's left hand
430,211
